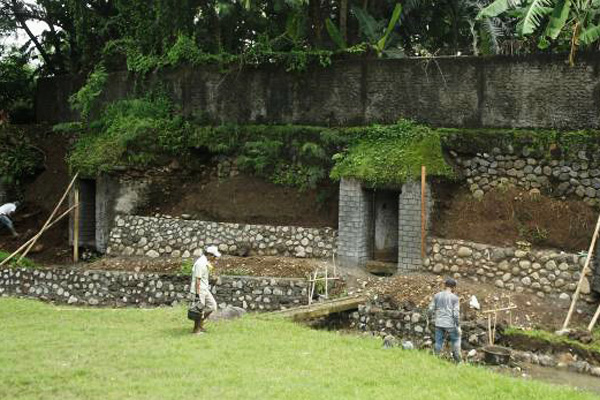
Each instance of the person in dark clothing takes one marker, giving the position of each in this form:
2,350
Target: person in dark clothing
446,309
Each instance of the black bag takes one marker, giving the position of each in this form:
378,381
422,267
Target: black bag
196,309
194,315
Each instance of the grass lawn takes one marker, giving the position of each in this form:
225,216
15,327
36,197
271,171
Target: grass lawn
49,352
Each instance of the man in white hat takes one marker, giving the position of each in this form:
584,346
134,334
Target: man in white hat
200,288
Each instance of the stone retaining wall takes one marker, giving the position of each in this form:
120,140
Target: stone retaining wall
173,237
380,317
119,289
543,272
577,174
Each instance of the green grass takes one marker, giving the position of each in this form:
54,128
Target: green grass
552,338
52,352
25,263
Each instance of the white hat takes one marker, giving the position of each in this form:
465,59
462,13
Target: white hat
213,250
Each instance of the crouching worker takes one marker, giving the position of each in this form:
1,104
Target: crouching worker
5,211
204,303
446,309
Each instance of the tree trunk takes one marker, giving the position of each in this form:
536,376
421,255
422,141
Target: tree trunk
344,19
315,21
23,23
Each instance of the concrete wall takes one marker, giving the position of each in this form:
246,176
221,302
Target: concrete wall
532,91
121,288
102,199
409,237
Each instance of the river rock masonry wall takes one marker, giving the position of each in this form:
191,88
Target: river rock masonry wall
173,237
123,288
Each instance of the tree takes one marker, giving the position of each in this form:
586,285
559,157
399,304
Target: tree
550,19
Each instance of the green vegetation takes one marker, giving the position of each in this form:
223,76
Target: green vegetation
20,158
85,98
63,353
568,23
391,154
150,131
17,85
135,133
187,265
541,142
24,263
554,339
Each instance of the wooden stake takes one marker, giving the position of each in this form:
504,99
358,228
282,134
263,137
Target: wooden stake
7,259
494,330
312,289
76,227
490,340
333,259
62,199
326,284
423,216
582,277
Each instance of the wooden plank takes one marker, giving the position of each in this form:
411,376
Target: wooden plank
323,309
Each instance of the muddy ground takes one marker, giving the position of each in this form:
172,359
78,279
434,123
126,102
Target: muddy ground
39,198
504,217
418,289
244,199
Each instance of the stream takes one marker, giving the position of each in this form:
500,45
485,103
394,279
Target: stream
557,377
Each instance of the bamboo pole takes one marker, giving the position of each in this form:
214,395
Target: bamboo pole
7,259
423,216
582,277
76,227
62,199
593,322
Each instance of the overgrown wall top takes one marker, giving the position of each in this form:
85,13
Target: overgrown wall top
538,91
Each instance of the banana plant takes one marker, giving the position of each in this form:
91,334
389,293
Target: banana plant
373,31
580,17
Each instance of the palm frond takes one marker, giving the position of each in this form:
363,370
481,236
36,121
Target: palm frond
534,13
496,8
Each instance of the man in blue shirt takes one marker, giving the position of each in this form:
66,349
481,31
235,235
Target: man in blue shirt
446,309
